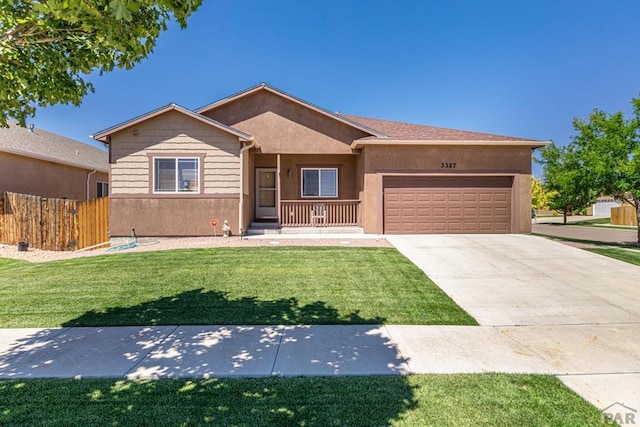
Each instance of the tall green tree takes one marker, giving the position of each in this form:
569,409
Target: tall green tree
609,146
47,48
565,175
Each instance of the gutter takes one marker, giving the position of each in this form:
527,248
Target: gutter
89,180
363,143
241,208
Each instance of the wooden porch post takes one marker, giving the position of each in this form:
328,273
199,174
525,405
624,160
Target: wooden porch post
278,189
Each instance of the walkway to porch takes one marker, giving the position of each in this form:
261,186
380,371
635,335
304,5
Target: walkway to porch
271,228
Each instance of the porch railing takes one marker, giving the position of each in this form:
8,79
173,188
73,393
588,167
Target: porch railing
319,213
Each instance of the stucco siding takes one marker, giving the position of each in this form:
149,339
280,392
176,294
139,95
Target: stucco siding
380,161
173,134
281,126
26,175
172,217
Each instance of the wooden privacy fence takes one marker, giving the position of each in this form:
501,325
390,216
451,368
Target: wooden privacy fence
53,224
624,215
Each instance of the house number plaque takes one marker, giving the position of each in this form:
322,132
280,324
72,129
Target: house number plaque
447,165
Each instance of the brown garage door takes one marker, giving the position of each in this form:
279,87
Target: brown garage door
415,205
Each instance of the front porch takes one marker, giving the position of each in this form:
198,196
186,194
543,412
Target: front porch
305,193
319,213
312,217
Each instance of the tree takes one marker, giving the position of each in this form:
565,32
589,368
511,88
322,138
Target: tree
609,145
48,47
565,175
540,196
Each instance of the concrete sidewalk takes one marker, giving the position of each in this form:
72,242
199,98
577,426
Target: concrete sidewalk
256,351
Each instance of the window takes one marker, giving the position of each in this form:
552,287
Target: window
102,189
176,175
321,182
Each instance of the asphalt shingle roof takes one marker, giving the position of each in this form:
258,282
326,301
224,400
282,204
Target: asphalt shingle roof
52,147
408,131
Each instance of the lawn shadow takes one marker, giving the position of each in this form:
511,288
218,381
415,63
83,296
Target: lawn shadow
200,307
276,401
344,368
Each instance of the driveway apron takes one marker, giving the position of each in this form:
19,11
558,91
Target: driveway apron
578,311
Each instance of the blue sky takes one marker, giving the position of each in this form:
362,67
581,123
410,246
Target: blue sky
519,68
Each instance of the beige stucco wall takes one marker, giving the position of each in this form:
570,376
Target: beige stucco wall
379,161
281,126
133,203
26,175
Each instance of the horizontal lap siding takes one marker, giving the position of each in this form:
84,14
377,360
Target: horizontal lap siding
174,134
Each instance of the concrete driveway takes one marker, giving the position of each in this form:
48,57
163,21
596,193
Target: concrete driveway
578,311
526,280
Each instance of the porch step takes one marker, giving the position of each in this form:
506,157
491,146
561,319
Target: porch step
261,228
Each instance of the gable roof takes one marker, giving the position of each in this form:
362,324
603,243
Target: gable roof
51,147
265,87
104,134
407,132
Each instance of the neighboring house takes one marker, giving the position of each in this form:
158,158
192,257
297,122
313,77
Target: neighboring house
33,161
265,155
603,206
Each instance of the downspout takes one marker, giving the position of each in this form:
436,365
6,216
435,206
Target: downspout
241,216
89,181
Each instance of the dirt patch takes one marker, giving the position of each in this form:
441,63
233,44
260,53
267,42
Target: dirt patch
163,244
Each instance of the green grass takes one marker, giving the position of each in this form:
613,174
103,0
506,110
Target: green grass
418,400
632,257
590,222
283,285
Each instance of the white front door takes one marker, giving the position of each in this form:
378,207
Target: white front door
266,194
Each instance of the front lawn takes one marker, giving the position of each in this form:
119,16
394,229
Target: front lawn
416,400
256,285
630,256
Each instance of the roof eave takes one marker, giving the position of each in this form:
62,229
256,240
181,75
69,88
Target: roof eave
53,160
526,143
103,135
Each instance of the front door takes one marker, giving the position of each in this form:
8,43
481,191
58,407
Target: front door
266,194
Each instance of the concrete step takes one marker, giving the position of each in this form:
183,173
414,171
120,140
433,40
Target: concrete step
263,228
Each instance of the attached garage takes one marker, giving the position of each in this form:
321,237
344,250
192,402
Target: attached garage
426,205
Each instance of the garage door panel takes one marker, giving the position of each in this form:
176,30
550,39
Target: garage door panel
447,205
439,196
440,212
408,197
454,197
501,197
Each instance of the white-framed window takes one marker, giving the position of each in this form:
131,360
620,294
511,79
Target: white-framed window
176,174
319,182
102,189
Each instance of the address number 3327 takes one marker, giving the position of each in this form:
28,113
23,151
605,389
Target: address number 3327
447,165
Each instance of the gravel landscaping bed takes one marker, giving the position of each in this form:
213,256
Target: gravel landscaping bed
160,244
